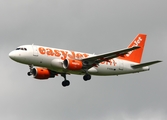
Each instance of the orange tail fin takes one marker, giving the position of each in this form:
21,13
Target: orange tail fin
136,55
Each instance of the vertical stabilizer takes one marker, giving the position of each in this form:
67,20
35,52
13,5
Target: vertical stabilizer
136,55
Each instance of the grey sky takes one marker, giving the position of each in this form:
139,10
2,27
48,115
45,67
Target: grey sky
92,26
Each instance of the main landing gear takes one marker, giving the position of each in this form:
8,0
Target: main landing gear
66,82
87,77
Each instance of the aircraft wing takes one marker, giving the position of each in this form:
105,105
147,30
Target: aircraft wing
95,60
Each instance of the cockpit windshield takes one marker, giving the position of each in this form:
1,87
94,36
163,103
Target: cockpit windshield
25,49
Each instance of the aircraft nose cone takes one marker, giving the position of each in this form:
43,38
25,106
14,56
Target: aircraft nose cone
16,56
12,55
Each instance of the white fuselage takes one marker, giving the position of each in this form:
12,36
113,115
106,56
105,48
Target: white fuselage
52,58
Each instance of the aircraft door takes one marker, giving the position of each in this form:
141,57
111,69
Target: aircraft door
35,52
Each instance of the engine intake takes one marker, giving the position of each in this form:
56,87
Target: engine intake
71,64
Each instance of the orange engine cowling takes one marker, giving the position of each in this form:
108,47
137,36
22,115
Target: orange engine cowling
42,73
72,64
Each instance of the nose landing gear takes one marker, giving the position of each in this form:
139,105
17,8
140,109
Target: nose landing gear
30,72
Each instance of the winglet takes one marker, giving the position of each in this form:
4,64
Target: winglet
136,55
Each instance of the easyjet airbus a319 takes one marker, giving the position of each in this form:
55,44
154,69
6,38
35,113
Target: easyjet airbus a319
50,62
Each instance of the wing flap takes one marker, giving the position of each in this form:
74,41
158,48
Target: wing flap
145,64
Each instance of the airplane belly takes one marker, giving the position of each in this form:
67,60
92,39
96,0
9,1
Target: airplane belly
104,70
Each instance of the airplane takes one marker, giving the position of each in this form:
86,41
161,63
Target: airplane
50,62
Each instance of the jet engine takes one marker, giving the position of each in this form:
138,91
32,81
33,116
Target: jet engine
71,64
42,73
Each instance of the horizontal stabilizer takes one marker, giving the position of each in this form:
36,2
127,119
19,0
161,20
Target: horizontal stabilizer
145,64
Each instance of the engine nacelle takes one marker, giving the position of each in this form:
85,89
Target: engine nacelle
71,64
42,73
57,63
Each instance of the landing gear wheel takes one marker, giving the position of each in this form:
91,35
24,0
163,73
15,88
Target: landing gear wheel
65,83
29,73
87,77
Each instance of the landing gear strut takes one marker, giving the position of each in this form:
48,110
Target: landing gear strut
31,68
65,82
